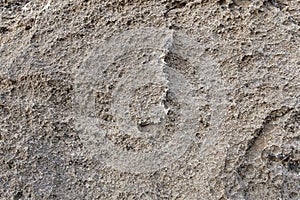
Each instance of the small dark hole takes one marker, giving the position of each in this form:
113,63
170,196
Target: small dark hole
222,2
19,195
183,4
129,147
27,28
231,5
3,29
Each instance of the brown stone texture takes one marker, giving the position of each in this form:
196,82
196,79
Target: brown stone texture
140,99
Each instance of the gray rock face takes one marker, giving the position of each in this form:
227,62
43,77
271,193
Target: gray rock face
140,96
149,100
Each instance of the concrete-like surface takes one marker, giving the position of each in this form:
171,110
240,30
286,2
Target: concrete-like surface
137,99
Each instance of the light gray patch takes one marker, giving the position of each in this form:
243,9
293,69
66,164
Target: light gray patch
137,110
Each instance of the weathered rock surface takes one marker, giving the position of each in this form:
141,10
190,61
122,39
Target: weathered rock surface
125,99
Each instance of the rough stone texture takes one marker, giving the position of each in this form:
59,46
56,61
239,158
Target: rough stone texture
137,99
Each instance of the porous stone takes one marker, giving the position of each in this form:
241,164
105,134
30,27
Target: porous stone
127,99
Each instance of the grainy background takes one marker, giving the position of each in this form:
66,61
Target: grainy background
255,45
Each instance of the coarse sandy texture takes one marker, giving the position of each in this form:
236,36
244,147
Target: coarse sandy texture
137,99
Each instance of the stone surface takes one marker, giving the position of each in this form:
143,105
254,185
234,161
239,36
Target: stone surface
127,99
